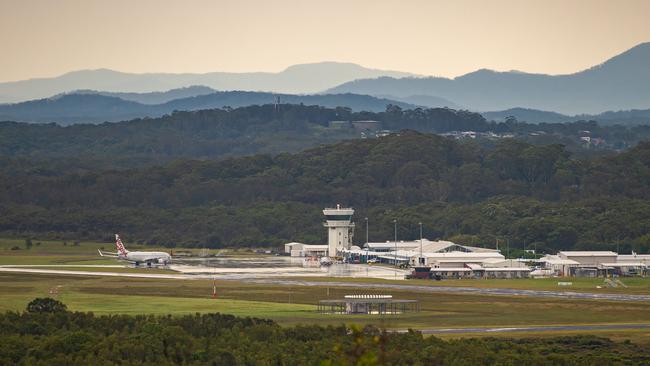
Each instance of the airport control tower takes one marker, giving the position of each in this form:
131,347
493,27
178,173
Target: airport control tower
340,228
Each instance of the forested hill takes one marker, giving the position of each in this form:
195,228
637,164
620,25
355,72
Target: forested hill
532,195
85,107
219,132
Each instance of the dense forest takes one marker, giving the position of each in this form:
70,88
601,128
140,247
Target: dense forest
219,133
526,196
74,338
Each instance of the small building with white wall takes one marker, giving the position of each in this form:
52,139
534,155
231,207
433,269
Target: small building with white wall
295,249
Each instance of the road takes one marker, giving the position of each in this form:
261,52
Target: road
263,278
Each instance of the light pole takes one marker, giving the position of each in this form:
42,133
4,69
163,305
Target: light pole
395,222
420,259
366,240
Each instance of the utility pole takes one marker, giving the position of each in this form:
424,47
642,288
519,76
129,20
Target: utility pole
395,256
366,240
420,259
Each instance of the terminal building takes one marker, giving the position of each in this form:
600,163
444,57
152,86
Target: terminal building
595,263
445,259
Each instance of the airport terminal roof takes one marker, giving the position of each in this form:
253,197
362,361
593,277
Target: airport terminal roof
597,253
624,264
555,260
626,257
464,255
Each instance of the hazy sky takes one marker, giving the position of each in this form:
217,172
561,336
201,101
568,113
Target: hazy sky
445,38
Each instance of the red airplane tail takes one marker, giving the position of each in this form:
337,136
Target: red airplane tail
120,247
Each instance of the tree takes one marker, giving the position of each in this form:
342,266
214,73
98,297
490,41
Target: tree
46,305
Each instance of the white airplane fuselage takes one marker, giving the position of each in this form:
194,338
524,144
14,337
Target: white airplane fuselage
147,257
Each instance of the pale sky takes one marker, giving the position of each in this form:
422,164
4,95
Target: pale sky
41,38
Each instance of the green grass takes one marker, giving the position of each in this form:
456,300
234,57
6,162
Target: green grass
134,304
296,304
290,305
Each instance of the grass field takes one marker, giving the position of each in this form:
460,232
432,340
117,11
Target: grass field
297,304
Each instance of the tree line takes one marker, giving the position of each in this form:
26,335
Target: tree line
265,129
525,195
54,336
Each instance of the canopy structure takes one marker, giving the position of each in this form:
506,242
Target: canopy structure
368,304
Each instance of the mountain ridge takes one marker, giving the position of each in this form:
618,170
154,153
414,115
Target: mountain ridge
619,83
295,79
86,107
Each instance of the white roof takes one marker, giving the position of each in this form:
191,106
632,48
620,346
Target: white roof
391,244
474,266
494,260
624,264
464,255
508,269
627,257
428,246
458,269
577,253
555,260
301,246
466,260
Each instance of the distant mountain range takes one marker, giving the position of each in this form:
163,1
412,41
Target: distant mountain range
157,97
620,83
98,107
628,118
297,79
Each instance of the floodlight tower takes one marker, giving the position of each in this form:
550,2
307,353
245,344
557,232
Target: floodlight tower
340,228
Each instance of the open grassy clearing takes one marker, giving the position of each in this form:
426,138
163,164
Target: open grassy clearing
297,304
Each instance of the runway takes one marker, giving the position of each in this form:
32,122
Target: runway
264,278
529,329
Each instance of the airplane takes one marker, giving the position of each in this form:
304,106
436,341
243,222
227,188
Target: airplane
149,258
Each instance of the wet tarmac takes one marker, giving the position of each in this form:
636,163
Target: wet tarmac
236,268
269,278
286,270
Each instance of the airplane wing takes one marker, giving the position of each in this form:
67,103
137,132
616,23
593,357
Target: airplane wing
107,254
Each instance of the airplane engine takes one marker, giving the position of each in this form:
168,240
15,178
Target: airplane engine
162,261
